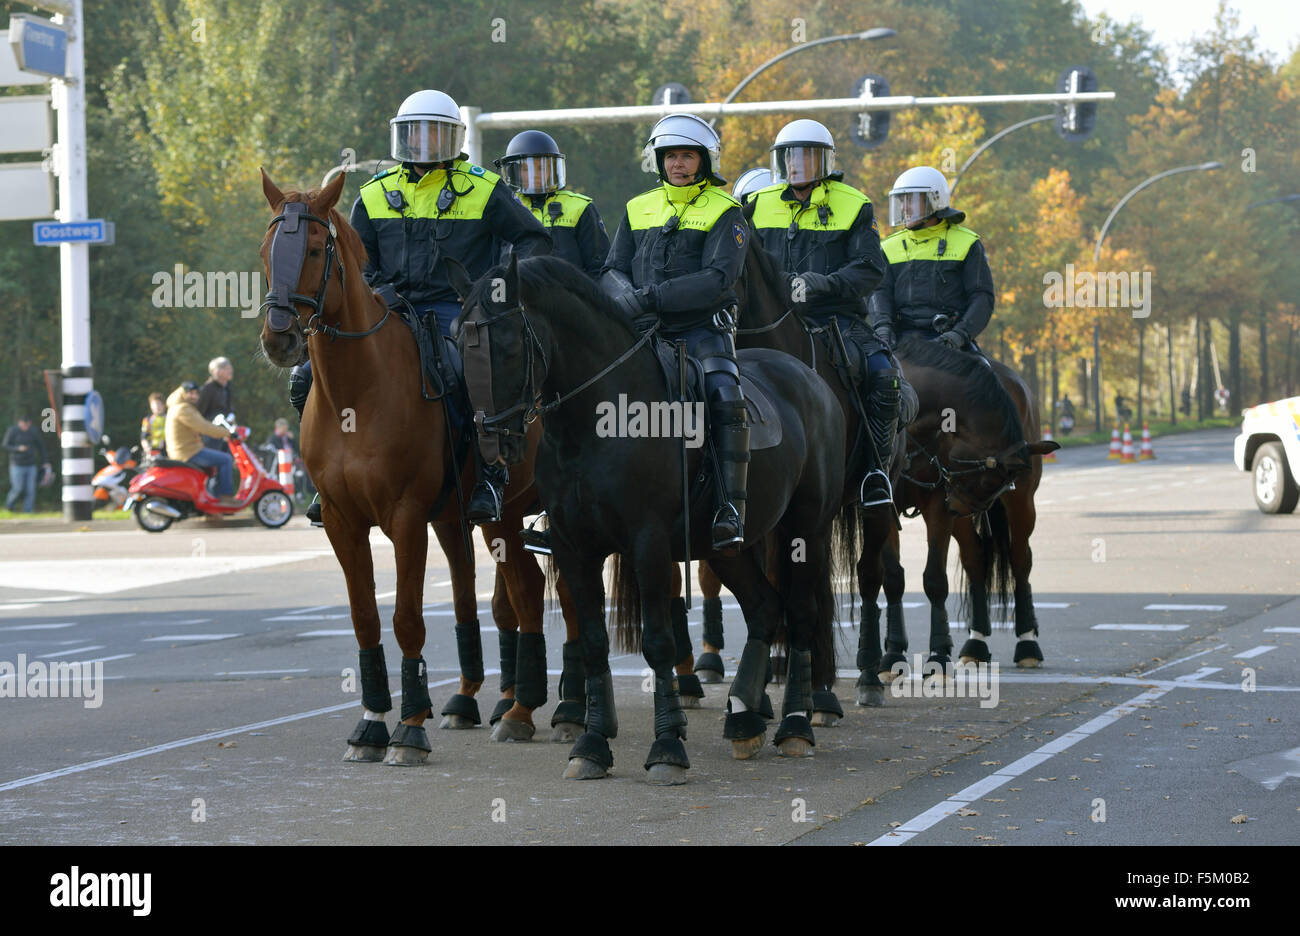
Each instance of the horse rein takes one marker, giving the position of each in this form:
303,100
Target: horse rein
280,298
946,474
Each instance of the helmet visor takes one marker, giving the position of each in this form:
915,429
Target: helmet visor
802,164
427,141
907,208
534,175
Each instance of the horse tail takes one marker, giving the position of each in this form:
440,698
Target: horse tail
996,544
627,606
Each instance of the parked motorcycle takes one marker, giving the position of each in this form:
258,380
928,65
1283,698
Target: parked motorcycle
169,490
112,482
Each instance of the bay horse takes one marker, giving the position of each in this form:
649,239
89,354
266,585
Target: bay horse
558,348
968,469
381,455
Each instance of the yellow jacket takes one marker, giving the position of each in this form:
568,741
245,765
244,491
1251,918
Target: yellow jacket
185,426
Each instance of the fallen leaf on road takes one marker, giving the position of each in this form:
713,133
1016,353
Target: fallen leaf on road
1239,819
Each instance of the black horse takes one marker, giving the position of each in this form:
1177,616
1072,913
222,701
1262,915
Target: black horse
539,338
966,452
765,322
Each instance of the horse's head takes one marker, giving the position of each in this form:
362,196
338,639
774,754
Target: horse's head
504,363
300,255
975,481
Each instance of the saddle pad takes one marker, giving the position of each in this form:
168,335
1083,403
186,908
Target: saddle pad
764,423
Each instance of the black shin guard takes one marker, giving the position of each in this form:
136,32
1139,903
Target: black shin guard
469,649
374,681
530,681
798,689
415,688
601,717
681,636
509,643
713,623
573,676
670,720
749,681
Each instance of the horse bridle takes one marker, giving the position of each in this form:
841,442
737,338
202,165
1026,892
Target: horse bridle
946,472
288,251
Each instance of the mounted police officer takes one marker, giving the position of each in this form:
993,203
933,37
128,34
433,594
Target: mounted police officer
938,281
534,168
434,204
823,233
676,255
749,182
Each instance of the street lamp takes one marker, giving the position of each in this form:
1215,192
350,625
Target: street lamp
989,142
1096,257
868,35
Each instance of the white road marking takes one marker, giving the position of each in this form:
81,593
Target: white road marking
59,653
26,627
108,659
313,608
1184,607
1200,673
172,623
1139,627
1192,656
1282,630
101,576
43,600
260,672
995,625
305,617
937,813
1254,652
17,607
166,637
185,742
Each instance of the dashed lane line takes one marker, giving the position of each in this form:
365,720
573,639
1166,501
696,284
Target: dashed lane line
1254,652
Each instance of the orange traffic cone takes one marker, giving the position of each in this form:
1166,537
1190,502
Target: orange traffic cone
1146,453
1126,453
1047,437
284,470
1114,443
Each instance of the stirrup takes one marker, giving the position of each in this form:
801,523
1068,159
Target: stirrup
887,498
732,513
496,503
537,540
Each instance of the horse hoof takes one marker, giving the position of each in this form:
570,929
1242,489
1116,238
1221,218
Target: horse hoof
665,775
747,748
582,769
824,719
509,729
887,676
1029,663
405,756
364,753
871,696
708,676
794,747
566,732
456,722
1028,654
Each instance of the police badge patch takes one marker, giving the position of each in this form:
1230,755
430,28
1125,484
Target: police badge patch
738,232
476,170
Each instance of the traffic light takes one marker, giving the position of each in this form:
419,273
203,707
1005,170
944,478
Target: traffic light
871,128
1075,122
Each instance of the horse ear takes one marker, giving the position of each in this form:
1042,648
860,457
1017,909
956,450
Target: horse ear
458,276
329,195
1043,448
272,191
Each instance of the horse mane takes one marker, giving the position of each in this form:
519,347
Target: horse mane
543,275
765,264
981,384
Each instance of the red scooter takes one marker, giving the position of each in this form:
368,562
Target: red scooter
167,490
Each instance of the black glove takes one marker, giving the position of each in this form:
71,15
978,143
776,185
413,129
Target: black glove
953,339
641,306
885,335
816,284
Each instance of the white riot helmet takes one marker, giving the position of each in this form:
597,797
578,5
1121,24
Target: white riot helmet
803,154
428,129
918,194
686,131
750,181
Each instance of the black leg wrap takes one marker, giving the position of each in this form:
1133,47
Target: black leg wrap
375,695
509,643
415,689
798,690
869,639
823,700
668,751
593,746
765,708
681,636
498,710
469,649
530,684
412,736
741,725
464,706
713,623
748,684
601,717
369,734
573,688
795,726
670,720
688,686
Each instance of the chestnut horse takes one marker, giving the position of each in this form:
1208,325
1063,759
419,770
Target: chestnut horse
382,455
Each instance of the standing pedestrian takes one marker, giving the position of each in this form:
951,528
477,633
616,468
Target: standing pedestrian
26,455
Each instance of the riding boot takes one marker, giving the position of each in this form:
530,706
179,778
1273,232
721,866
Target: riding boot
731,437
489,494
882,424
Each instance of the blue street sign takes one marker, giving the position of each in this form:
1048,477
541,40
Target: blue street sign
39,45
94,416
94,231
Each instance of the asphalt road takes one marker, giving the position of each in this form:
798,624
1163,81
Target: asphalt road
1161,592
